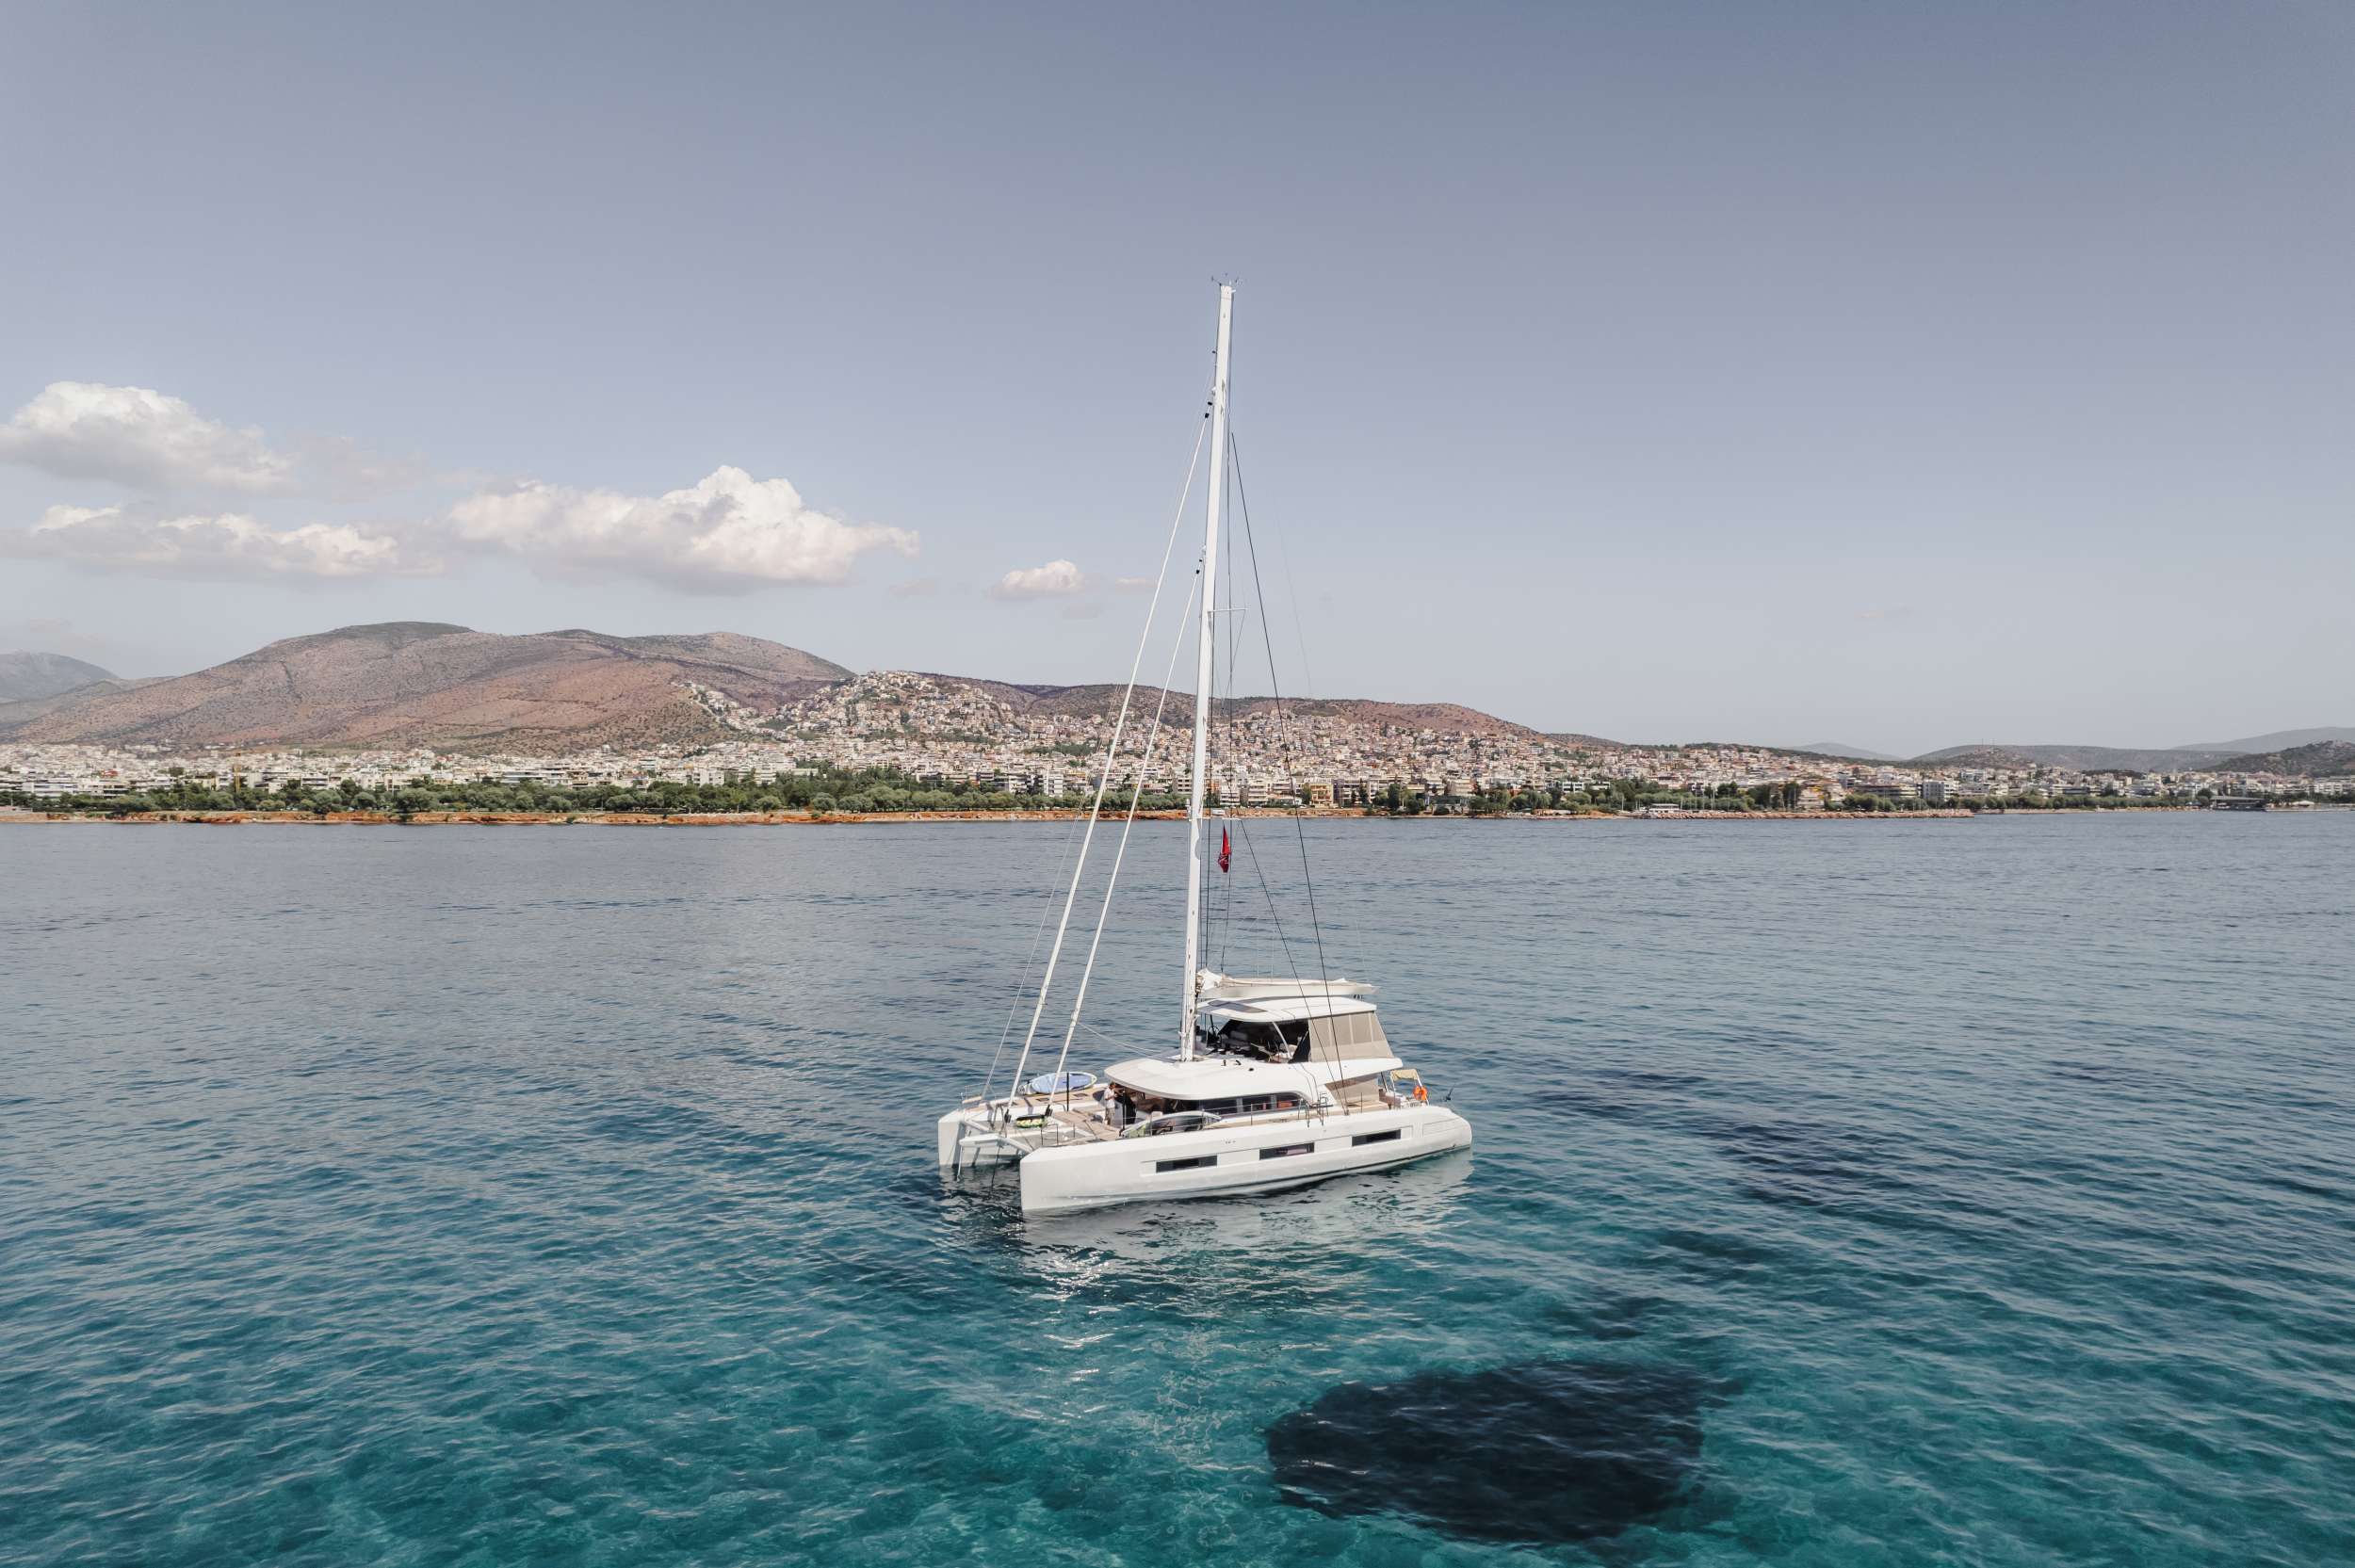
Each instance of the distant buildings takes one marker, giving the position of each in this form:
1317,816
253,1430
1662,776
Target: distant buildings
937,731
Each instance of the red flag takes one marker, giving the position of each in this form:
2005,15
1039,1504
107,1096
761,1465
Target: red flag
1226,852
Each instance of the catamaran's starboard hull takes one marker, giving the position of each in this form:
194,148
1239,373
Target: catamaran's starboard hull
1234,1159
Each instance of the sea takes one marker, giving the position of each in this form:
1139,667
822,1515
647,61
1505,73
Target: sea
1936,1191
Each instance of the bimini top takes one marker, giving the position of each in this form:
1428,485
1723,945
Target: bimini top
1282,1009
1213,987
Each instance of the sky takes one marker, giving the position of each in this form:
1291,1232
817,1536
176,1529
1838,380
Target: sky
1894,376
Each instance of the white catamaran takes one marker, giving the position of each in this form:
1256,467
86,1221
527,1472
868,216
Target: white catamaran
1275,1082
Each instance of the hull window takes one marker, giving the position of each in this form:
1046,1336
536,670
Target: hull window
1196,1164
1390,1136
1288,1149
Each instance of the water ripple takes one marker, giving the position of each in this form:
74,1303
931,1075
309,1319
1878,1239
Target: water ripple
1983,1195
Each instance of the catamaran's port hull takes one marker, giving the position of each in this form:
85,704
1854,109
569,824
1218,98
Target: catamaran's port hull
1235,1159
971,1136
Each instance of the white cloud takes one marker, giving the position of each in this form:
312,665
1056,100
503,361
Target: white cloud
729,532
133,436
228,544
1057,579
1132,585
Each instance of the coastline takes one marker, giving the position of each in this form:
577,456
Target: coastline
833,820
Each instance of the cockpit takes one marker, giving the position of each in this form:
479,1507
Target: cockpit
1285,1041
1291,1028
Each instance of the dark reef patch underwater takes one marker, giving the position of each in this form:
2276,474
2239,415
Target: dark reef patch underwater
1540,1452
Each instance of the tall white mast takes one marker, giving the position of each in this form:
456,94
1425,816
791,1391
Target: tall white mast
1202,669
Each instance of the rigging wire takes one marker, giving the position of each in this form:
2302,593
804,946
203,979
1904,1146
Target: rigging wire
1038,933
1281,939
1144,765
1283,735
1233,663
1283,717
1237,785
1111,750
1284,571
1223,670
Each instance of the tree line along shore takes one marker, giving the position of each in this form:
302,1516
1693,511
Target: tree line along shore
879,797
884,796
827,795
834,796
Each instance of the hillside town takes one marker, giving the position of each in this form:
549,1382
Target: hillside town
939,732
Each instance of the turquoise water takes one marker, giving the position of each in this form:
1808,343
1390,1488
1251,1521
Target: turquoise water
1973,1192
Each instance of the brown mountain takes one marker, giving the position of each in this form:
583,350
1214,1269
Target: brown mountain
415,683
2321,759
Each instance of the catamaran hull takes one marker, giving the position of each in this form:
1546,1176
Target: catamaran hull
970,1138
1226,1162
